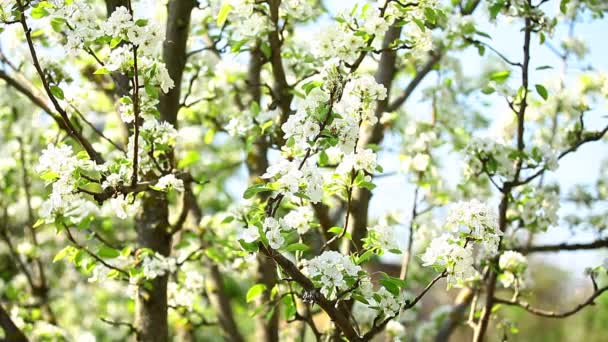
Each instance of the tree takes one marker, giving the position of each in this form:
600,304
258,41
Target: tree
192,180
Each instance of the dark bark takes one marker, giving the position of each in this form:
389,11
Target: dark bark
281,88
174,54
267,329
602,243
152,223
11,332
152,232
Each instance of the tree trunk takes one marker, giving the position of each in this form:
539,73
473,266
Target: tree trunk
152,223
257,163
151,306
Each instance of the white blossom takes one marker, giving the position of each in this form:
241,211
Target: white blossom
170,182
332,272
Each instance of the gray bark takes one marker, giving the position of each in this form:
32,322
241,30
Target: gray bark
152,223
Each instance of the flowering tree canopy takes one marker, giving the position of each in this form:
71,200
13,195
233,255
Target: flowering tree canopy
193,170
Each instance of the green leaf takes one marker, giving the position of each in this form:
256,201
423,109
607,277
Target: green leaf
255,189
266,125
57,92
542,91
487,90
255,291
57,24
335,230
209,136
107,252
311,85
323,158
290,307
126,251
365,257
390,286
223,14
115,41
563,6
141,22
483,34
37,33
249,247
228,219
500,76
297,247
82,155
38,223
101,71
39,12
189,159
266,50
63,253
49,176
236,47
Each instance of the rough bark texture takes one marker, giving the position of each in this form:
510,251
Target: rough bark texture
174,54
152,223
151,307
267,329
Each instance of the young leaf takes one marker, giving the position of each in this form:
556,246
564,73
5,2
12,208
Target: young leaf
297,247
39,12
101,71
542,91
38,223
57,92
255,189
500,76
255,291
63,253
107,252
223,14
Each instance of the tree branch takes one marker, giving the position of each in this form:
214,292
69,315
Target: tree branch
420,75
64,115
602,243
553,314
11,331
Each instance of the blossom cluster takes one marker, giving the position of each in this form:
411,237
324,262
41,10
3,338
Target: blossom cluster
382,236
298,220
186,293
156,265
512,264
61,168
496,158
537,208
332,272
144,40
416,156
469,223
296,179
